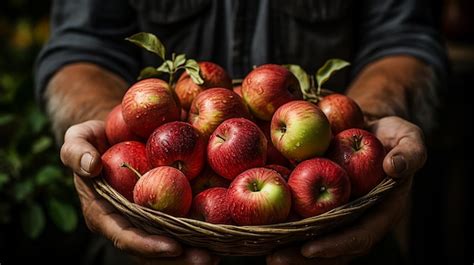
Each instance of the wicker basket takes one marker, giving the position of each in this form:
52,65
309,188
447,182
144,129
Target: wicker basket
232,240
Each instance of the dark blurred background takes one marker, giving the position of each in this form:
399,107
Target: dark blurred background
39,211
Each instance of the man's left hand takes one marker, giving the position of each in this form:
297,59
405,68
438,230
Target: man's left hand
406,155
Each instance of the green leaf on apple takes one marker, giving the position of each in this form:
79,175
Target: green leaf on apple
149,42
63,215
164,68
180,60
328,69
33,220
148,72
301,75
170,66
192,68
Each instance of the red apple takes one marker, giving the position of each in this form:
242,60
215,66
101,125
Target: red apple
273,155
267,87
259,196
148,104
235,146
122,179
116,129
317,186
361,154
300,130
177,144
208,179
213,76
211,206
342,112
165,189
284,171
213,106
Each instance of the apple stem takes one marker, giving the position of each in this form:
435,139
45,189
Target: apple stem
255,186
322,189
124,164
357,140
178,165
220,137
311,95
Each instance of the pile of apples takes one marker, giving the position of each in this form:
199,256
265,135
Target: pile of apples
253,154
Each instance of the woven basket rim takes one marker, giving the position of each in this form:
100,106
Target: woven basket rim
240,240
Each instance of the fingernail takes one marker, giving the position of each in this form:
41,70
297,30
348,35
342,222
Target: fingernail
399,164
86,162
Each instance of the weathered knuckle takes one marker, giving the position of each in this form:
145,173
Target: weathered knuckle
65,153
119,243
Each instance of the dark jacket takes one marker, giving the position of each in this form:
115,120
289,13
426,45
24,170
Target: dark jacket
240,34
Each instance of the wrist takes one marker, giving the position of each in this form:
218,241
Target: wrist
80,92
400,86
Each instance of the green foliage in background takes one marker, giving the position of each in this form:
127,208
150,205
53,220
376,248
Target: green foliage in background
34,187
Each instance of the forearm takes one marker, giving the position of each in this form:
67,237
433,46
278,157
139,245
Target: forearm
80,92
397,86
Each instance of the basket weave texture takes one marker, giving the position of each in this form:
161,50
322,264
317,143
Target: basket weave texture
233,240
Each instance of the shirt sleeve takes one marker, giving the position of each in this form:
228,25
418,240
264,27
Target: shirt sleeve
89,31
395,27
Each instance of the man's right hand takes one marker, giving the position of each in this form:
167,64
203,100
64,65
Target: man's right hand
83,145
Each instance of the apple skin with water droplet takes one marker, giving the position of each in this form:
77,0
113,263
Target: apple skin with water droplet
300,130
213,106
211,206
213,76
118,177
342,112
177,144
165,189
116,129
317,186
147,104
259,196
235,146
208,179
284,171
361,154
267,87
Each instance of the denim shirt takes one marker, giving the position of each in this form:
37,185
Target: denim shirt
240,34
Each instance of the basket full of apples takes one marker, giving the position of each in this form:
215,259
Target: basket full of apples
239,169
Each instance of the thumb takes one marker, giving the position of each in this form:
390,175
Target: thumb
82,143
405,158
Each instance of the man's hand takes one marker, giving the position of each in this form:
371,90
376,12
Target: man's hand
81,151
406,155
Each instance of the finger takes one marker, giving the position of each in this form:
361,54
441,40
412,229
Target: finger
407,157
103,218
405,141
82,143
358,239
191,256
354,242
290,256
196,256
